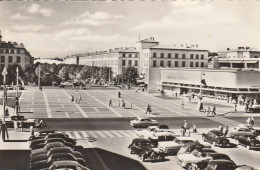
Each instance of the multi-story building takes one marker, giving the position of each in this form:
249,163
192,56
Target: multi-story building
14,53
245,58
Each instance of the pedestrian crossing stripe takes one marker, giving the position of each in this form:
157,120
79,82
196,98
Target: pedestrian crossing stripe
92,135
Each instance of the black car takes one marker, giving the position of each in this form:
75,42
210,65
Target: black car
216,137
249,141
190,146
138,145
221,164
217,156
46,148
163,127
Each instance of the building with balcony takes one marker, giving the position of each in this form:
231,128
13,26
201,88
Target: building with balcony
14,53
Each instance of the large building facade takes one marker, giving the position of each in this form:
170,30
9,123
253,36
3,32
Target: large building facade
14,53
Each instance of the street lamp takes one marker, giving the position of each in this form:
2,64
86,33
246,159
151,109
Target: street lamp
200,94
3,127
17,88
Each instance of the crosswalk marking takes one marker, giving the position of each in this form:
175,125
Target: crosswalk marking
101,134
94,135
109,134
124,134
117,134
131,133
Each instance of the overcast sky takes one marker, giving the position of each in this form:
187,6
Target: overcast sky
57,29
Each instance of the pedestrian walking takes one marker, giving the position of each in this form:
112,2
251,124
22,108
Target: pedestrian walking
226,130
185,124
6,112
201,107
214,110
119,94
248,121
123,104
31,131
190,98
220,128
194,128
110,103
15,125
148,110
205,113
72,99
80,98
235,107
252,121
182,105
176,94
119,103
77,100
187,132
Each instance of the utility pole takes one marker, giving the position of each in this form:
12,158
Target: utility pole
109,76
200,94
39,77
17,88
3,127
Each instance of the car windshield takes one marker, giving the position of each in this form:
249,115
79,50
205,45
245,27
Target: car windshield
226,167
145,144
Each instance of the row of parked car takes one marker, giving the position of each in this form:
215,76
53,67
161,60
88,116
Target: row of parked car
52,150
157,142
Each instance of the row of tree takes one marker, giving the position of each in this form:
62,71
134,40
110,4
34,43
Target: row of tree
50,73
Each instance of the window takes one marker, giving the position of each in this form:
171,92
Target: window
2,59
2,66
18,59
197,56
183,64
1,51
154,55
191,64
136,62
169,63
161,63
10,59
162,55
12,51
191,56
130,55
176,55
154,63
202,57
136,55
183,56
18,51
6,51
123,55
202,64
169,55
197,64
123,62
176,64
130,62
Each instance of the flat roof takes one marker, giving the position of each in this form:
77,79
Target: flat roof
209,69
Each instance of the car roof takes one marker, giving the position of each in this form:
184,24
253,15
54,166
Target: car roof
218,155
46,131
216,131
66,163
185,138
140,140
248,135
61,148
191,144
221,161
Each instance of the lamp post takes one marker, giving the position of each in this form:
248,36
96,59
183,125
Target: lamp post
200,94
3,127
17,88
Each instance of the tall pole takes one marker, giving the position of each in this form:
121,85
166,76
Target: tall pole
39,77
109,76
17,88
200,94
3,127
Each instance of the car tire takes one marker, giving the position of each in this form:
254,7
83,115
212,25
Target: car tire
171,152
248,147
143,158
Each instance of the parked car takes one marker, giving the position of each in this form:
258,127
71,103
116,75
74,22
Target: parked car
216,138
161,135
46,148
145,133
246,167
249,141
41,134
67,165
151,154
221,165
191,146
240,131
253,109
172,147
143,122
138,145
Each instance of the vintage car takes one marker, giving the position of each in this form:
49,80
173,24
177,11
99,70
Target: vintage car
253,109
56,157
41,134
246,167
151,154
161,135
186,160
221,164
172,147
216,138
147,132
52,140
242,130
143,122
51,151
46,148
249,141
191,146
67,165
138,145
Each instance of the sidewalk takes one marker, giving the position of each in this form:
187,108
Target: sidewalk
17,140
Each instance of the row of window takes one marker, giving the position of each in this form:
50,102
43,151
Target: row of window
183,56
129,63
12,51
10,59
130,55
176,64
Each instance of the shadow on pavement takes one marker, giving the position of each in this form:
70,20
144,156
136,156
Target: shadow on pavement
100,159
14,159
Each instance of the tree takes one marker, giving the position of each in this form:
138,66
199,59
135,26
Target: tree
11,73
130,74
63,73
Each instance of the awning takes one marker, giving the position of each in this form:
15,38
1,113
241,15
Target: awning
241,62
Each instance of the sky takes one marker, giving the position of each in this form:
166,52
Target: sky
57,29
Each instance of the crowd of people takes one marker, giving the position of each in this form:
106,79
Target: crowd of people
77,99
186,130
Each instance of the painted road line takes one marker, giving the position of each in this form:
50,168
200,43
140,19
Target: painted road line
96,109
85,135
108,134
119,115
48,109
116,134
67,115
101,134
124,134
78,107
132,133
92,133
77,135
